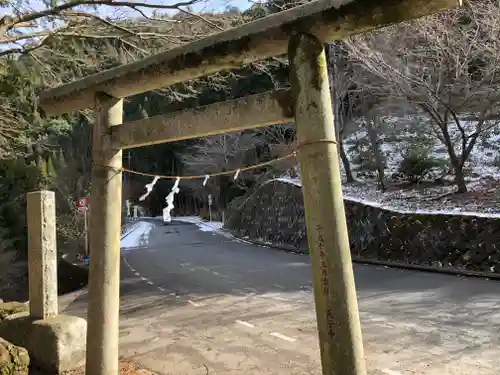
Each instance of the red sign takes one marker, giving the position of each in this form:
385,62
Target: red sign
82,202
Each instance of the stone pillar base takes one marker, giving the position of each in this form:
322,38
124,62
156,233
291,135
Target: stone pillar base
54,344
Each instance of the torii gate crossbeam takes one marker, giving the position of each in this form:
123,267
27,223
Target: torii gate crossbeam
300,32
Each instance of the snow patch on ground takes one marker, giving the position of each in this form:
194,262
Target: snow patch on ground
204,226
138,236
396,137
398,134
368,196
293,181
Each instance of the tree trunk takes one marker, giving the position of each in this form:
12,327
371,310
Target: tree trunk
345,161
456,161
379,160
459,177
331,59
331,56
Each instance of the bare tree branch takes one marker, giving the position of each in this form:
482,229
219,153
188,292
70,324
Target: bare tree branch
448,66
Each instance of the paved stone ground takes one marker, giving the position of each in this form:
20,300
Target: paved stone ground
197,302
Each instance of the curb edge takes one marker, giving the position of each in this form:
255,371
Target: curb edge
361,260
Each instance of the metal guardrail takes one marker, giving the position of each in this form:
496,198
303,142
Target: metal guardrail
127,225
131,222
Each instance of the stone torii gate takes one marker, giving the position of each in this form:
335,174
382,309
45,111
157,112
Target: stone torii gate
301,32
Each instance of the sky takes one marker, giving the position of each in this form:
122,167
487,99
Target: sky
219,5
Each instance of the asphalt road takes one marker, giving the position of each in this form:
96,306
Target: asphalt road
197,302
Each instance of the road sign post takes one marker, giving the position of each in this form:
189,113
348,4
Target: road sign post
128,205
85,219
210,207
83,206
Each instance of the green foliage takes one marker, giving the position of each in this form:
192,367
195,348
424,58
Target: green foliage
51,172
276,6
16,179
256,11
56,153
417,164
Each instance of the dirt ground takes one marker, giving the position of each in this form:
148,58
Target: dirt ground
127,367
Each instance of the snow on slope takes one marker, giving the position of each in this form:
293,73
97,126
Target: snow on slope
204,226
398,134
395,206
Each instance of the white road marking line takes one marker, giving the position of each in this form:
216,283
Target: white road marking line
143,278
131,269
246,324
216,273
390,372
150,282
274,296
161,289
252,290
194,303
283,337
281,299
137,274
278,286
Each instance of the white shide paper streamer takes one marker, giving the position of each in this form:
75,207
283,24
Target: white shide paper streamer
170,201
149,188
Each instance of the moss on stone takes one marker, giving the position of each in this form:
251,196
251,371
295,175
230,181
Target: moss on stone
13,359
11,308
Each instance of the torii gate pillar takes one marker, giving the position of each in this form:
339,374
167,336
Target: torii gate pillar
105,223
335,295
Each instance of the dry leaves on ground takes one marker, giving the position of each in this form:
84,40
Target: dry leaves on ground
127,367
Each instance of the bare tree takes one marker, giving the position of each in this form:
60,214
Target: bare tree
221,153
371,123
29,25
10,124
280,140
52,42
341,82
355,94
447,66
67,39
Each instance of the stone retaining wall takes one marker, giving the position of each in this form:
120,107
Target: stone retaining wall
274,214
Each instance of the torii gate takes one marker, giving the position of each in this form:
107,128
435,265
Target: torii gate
301,32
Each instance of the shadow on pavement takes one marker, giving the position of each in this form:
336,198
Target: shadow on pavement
419,315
